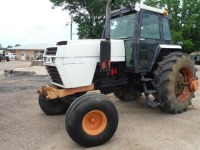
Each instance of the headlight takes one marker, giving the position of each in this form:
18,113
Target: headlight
53,59
49,59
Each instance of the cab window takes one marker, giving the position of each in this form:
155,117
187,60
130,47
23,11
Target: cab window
166,29
150,26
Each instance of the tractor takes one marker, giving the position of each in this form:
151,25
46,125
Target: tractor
135,55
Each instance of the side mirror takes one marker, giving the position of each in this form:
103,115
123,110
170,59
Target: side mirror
180,43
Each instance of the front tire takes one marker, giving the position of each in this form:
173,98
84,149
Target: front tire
91,120
52,107
173,78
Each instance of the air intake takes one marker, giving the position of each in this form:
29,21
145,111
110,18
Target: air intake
54,75
51,51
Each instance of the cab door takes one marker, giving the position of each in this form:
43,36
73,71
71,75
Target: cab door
149,38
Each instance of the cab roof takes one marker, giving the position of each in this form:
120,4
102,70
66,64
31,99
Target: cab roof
136,8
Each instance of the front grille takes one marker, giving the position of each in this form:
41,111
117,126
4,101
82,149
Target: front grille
54,75
51,51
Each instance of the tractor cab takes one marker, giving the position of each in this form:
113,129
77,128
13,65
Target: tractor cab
143,30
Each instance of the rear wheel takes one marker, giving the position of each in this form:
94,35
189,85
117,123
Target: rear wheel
126,93
91,120
52,107
176,81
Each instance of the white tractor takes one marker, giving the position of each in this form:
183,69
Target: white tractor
135,55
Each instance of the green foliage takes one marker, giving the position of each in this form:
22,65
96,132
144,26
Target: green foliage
16,45
9,46
89,15
188,46
177,36
185,23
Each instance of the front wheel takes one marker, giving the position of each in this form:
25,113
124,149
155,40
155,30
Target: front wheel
91,120
52,107
176,82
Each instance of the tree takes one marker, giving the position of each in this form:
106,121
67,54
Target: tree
16,45
89,15
9,46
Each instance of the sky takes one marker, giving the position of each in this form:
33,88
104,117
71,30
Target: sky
33,22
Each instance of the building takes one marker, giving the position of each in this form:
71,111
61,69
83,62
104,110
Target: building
30,52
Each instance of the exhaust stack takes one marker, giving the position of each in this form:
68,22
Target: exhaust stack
108,14
105,46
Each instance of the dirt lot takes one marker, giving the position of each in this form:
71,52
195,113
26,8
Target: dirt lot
24,126
4,65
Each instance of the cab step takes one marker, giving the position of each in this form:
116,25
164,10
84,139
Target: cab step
146,79
147,92
153,104
150,91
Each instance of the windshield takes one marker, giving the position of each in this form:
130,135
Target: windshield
122,27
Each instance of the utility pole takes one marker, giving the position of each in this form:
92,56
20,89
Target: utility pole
71,29
66,25
71,21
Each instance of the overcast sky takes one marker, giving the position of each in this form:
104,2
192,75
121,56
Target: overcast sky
32,21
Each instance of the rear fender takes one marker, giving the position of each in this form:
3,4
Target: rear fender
161,51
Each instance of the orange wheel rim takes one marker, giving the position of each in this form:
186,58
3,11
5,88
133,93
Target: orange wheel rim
185,92
94,122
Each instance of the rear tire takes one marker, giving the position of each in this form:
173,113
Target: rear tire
126,93
91,120
52,107
174,70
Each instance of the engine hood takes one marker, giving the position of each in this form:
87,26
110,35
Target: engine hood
74,64
89,48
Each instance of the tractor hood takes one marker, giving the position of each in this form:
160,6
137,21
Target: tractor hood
86,48
73,64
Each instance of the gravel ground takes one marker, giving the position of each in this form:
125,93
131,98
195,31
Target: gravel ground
24,126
